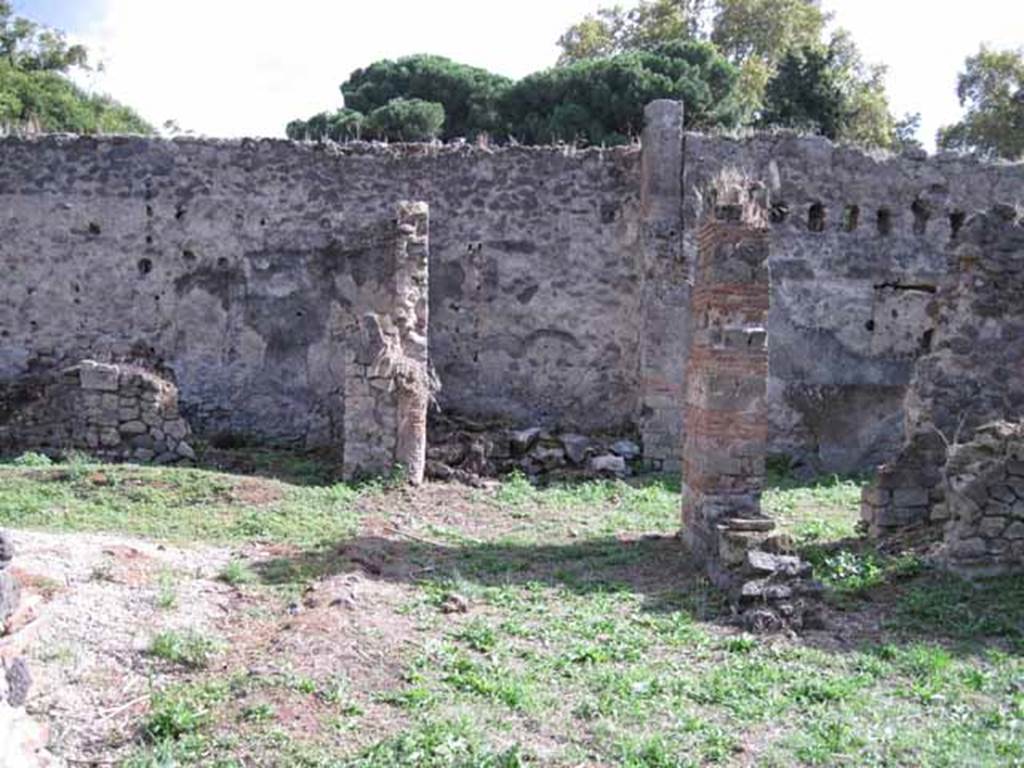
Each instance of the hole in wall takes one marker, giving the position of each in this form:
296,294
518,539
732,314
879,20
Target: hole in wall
5,334
145,267
263,222
851,218
921,215
222,262
149,239
870,326
179,213
884,221
149,210
816,218
778,213
188,255
956,223
926,340
94,228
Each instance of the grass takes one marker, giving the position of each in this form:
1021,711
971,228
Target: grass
237,573
190,649
173,504
589,638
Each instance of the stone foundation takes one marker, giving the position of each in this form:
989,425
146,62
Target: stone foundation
119,412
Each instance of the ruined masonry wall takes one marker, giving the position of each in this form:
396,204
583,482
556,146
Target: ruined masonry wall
559,282
727,370
236,265
973,376
387,377
858,249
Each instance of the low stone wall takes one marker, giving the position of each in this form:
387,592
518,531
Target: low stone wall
984,504
121,412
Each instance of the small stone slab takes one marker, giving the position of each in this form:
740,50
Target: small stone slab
6,549
19,681
10,595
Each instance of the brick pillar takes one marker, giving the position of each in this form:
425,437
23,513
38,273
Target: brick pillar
726,378
665,289
387,379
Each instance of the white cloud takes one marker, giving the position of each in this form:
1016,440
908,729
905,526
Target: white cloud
246,67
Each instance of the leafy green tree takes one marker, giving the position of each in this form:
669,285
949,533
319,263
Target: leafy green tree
758,37
991,89
614,30
343,125
35,93
601,101
468,95
406,120
29,47
829,90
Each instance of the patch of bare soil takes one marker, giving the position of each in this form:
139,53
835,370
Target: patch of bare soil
106,597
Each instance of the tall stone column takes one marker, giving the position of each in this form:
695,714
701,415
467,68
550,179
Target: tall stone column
665,293
388,384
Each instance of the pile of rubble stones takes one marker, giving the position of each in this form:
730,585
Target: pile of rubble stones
466,453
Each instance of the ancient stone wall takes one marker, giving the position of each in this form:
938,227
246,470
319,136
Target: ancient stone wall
858,249
974,375
983,503
559,280
236,264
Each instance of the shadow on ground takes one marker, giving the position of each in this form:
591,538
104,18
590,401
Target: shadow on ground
655,567
926,606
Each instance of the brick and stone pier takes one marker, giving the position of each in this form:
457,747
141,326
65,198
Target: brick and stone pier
725,414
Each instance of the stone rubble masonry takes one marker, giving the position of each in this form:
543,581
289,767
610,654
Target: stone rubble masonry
984,503
388,383
973,376
559,292
116,411
859,246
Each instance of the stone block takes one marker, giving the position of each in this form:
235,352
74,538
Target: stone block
97,376
910,497
176,429
876,496
991,527
133,428
1014,531
1002,493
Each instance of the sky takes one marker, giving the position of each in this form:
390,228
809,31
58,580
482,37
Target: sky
247,67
